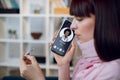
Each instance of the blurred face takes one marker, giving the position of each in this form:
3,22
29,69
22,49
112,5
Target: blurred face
84,28
67,33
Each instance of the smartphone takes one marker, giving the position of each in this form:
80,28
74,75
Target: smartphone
63,39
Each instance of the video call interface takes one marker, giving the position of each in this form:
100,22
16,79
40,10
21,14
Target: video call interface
63,40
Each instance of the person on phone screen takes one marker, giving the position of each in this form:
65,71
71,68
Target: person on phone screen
67,33
96,24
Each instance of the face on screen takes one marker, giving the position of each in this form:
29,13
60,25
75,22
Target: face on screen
66,34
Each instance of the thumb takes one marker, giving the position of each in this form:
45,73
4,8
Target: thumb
73,47
71,52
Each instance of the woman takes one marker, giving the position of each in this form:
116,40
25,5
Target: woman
96,22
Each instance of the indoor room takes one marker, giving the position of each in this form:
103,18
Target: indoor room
59,39
26,25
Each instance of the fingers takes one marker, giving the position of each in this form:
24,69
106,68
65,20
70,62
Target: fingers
73,46
50,44
72,50
32,59
57,57
55,35
22,62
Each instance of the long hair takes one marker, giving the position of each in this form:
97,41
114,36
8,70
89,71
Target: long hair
107,25
107,30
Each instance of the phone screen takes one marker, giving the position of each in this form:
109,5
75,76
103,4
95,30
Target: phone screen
63,39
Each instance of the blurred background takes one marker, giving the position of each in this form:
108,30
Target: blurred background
27,24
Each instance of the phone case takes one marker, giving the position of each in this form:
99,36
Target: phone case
63,39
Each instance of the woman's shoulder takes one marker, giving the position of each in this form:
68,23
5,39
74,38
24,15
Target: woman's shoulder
113,64
110,70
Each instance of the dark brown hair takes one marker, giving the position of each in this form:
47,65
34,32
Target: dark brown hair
82,8
68,31
107,25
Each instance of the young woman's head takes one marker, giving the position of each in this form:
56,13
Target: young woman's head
98,19
84,21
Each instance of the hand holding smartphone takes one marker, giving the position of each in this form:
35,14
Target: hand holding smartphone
63,39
